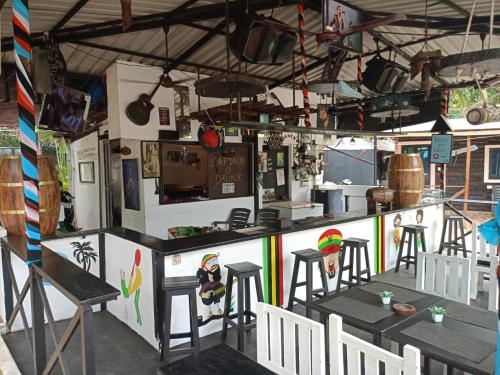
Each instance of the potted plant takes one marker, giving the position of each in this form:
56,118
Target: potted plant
385,296
437,313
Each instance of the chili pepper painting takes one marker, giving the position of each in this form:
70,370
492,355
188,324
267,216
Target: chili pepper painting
133,287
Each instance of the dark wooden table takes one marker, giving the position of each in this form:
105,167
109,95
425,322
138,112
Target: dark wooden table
377,329
221,359
479,325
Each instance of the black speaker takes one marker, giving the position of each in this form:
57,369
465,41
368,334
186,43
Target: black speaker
258,42
384,76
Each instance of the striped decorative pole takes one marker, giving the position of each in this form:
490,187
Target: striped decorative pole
305,83
29,146
361,114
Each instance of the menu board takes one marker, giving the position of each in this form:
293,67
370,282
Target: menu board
441,146
229,171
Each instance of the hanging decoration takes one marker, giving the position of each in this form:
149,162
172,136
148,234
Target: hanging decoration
28,136
305,91
126,14
360,102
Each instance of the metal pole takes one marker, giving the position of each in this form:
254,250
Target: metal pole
26,119
375,142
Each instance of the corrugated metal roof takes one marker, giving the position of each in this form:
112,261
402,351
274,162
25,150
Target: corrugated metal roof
45,14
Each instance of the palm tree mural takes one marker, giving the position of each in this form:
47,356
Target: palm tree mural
84,254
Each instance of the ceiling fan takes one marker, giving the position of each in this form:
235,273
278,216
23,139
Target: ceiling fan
139,111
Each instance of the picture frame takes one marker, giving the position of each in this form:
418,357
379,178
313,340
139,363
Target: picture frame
86,172
150,159
231,132
131,195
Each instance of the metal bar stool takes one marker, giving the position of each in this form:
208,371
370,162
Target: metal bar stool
180,286
354,245
309,257
453,224
243,272
413,231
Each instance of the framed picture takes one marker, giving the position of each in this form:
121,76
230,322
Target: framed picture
492,164
150,159
231,132
262,162
325,120
131,184
86,172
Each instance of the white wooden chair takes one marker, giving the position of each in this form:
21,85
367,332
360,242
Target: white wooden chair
445,276
484,261
285,338
409,364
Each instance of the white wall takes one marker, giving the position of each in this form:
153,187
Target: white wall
86,194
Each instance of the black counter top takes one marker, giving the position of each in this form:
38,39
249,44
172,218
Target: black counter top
214,239
81,287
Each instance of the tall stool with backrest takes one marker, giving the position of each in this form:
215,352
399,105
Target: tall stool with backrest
238,219
180,286
309,257
456,236
354,246
243,272
413,231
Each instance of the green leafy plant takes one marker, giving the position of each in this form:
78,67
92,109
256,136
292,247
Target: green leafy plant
385,294
438,310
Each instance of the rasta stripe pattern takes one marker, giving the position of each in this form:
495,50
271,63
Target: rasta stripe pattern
305,83
272,254
361,115
25,100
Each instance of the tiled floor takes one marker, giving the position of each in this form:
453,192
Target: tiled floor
120,351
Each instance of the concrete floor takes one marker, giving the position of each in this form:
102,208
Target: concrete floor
120,351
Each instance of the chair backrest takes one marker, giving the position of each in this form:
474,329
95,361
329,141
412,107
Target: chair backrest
445,276
268,217
289,344
409,364
493,285
238,218
373,355
481,250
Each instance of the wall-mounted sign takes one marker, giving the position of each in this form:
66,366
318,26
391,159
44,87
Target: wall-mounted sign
441,148
164,114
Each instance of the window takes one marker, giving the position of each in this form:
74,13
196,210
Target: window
182,111
492,164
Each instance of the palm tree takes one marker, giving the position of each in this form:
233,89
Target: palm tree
84,253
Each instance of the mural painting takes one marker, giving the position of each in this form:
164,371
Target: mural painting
84,254
397,231
419,219
134,284
329,243
212,289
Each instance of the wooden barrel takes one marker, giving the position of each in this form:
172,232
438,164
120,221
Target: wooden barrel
380,194
12,197
406,179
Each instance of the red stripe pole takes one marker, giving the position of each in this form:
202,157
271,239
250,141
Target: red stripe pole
305,83
361,115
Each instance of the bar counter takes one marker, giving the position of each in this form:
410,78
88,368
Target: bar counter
136,263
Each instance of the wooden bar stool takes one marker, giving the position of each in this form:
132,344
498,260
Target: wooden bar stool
180,286
243,272
309,257
455,242
413,231
354,245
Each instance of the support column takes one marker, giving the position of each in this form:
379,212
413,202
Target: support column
28,136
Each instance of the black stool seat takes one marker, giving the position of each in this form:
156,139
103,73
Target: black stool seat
354,246
180,286
454,225
309,257
180,282
243,272
413,231
243,267
308,254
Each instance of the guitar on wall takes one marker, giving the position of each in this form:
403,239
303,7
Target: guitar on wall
139,111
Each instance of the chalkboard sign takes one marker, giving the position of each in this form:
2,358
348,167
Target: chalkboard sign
441,148
229,171
275,174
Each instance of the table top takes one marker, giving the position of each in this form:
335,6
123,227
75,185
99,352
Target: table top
220,359
479,330
367,295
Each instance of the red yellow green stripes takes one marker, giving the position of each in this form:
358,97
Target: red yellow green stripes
379,241
272,255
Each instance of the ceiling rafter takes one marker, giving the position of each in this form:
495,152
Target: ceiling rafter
68,16
457,8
